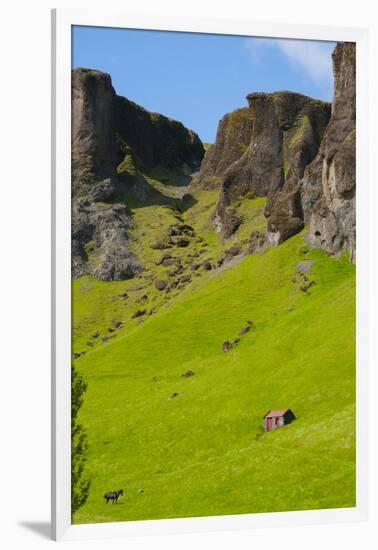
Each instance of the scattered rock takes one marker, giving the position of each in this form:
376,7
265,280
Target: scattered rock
207,266
226,345
160,285
304,288
96,334
173,285
90,343
124,295
185,279
180,229
138,313
182,243
140,491
256,242
161,245
170,261
235,341
164,258
244,330
233,251
304,266
188,374
174,394
105,338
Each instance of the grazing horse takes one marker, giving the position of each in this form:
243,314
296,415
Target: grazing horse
113,496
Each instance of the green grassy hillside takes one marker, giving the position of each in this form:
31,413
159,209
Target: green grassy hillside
195,446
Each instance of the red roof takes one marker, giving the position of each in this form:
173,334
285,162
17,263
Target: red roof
275,412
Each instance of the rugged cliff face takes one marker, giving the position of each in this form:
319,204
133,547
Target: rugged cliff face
233,138
93,135
284,130
300,154
301,138
100,221
110,135
329,183
154,138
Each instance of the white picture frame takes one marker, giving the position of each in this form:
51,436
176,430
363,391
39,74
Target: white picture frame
62,22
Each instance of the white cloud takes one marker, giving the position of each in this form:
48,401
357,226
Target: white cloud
257,47
312,57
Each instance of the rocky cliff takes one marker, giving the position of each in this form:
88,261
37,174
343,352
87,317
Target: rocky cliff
233,138
284,130
93,135
108,132
329,182
296,151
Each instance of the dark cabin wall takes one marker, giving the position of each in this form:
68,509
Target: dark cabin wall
289,416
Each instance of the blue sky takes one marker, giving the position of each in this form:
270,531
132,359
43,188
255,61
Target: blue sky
197,78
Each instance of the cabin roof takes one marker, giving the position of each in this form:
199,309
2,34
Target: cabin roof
275,412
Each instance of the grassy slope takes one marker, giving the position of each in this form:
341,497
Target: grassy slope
96,303
203,452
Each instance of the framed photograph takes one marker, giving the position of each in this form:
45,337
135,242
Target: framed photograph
210,268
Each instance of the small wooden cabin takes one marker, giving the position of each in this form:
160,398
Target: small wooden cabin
276,418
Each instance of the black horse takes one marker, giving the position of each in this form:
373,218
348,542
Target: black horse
113,496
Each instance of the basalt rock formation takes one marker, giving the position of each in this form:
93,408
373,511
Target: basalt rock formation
109,135
93,128
299,153
285,132
329,182
233,138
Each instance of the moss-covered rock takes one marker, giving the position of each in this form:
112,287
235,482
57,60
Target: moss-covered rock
284,134
119,152
329,183
233,137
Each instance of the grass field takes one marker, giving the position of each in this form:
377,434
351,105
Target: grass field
203,451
